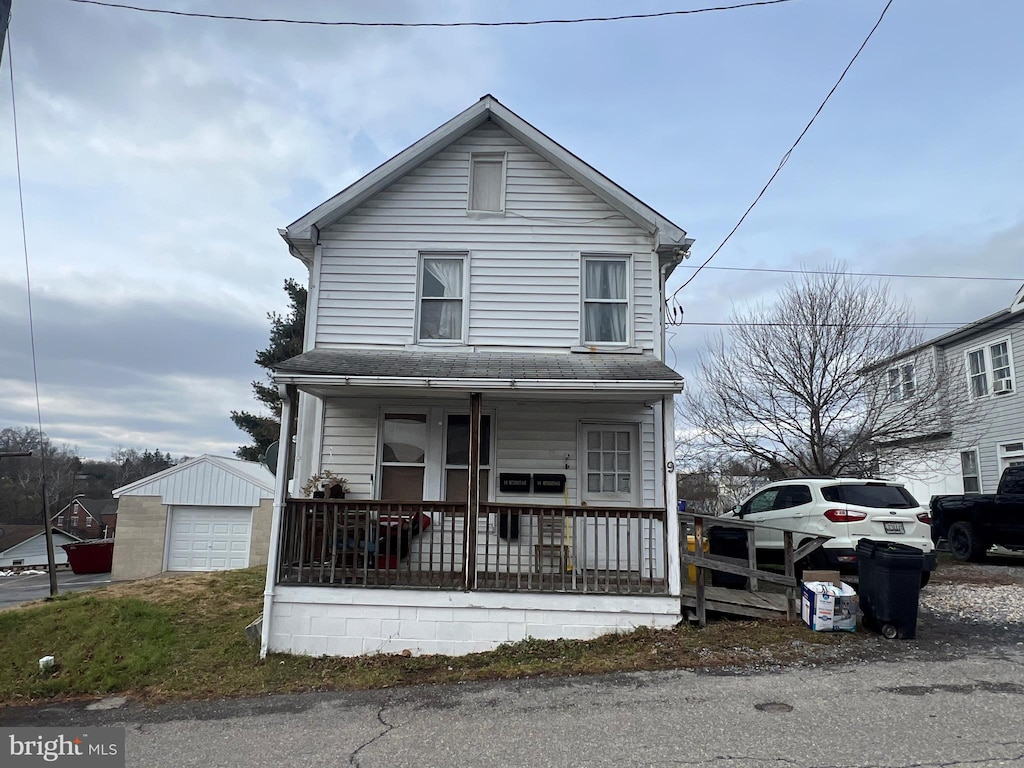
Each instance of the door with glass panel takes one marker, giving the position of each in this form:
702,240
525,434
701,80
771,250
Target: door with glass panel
610,478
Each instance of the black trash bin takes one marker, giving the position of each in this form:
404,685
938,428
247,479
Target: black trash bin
730,542
889,586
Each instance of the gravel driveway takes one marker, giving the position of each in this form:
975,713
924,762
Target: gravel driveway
968,609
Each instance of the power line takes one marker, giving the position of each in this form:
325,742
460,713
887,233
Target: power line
528,23
855,274
785,157
735,324
47,532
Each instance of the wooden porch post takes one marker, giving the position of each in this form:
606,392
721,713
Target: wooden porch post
473,499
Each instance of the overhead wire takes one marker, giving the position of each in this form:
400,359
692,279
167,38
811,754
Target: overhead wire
789,152
31,324
436,24
858,274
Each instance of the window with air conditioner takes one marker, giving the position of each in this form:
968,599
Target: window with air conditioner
990,369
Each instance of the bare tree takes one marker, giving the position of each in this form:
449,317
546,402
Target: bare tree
805,385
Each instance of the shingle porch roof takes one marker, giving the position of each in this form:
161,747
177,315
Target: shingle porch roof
511,368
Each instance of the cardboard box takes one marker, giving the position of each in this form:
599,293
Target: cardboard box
830,576
825,607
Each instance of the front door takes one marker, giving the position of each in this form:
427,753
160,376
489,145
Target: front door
610,474
610,477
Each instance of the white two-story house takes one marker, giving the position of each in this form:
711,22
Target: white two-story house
985,361
484,366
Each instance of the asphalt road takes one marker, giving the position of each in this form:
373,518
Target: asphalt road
894,714
15,590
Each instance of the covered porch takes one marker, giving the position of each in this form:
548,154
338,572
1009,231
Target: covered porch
438,545
492,485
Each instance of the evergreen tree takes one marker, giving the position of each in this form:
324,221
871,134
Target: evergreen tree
286,333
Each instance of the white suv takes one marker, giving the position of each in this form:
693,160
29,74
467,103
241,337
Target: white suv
844,508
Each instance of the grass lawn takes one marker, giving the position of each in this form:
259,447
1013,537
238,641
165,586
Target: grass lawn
183,638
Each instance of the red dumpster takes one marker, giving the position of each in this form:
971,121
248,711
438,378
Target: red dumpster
90,556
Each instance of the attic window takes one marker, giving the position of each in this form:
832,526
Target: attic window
487,182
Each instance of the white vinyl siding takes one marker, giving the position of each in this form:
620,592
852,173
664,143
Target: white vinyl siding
524,267
533,437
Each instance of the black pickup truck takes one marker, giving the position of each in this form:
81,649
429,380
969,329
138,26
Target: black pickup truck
974,522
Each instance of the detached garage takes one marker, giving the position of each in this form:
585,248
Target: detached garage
210,513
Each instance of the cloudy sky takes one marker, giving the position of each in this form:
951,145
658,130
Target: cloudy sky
159,154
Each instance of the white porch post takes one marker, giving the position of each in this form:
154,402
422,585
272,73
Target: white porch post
284,458
668,420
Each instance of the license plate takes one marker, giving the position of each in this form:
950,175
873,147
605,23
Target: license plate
893,527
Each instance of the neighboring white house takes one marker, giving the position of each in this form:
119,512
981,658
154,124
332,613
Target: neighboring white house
24,546
210,513
484,365
986,359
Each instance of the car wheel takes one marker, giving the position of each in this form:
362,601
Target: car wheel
963,542
926,576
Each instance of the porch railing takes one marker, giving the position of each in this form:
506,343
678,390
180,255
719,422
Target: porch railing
511,547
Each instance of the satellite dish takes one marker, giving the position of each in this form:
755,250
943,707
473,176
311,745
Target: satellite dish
270,457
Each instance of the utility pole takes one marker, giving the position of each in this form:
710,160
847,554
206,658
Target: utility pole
5,18
47,532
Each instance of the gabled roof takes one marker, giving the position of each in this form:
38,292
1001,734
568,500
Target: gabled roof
12,536
458,369
95,508
985,324
302,235
248,471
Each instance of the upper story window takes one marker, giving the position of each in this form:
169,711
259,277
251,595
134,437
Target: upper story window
487,182
902,382
990,369
442,297
606,300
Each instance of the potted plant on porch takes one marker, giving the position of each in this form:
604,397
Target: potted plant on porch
325,484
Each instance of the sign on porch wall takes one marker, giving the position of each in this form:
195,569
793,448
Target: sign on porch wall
511,482
548,483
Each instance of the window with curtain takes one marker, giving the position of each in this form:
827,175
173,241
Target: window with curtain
441,297
605,300
487,182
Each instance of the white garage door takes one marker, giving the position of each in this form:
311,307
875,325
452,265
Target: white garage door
208,538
